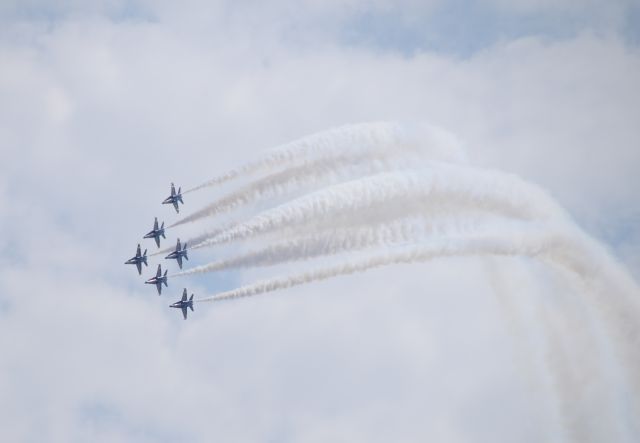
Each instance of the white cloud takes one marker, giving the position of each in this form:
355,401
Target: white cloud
97,116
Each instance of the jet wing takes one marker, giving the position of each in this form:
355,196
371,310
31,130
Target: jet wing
178,247
179,259
173,190
138,253
155,224
139,265
175,205
159,287
184,295
158,272
184,312
157,238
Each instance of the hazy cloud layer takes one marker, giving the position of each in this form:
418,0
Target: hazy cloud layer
102,105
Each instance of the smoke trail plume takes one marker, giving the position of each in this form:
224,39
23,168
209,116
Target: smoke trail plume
355,238
566,248
442,184
193,240
351,139
319,173
372,214
563,246
411,254
574,361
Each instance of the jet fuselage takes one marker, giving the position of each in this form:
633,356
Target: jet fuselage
138,260
179,254
180,304
156,232
174,198
158,280
183,304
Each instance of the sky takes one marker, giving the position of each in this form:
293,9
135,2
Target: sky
104,103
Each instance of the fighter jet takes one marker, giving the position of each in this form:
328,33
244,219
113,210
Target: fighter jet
174,198
158,280
138,260
179,253
184,303
157,232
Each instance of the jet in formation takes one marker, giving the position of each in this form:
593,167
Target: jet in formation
138,260
156,232
184,303
158,280
174,198
179,254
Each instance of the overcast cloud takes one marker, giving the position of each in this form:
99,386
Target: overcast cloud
102,104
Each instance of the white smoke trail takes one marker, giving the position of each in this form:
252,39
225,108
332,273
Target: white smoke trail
572,360
602,284
562,245
570,386
445,247
441,185
360,138
613,297
566,248
505,287
319,174
166,250
194,240
518,295
355,238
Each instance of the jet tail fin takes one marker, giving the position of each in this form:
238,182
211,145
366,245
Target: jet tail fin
191,303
